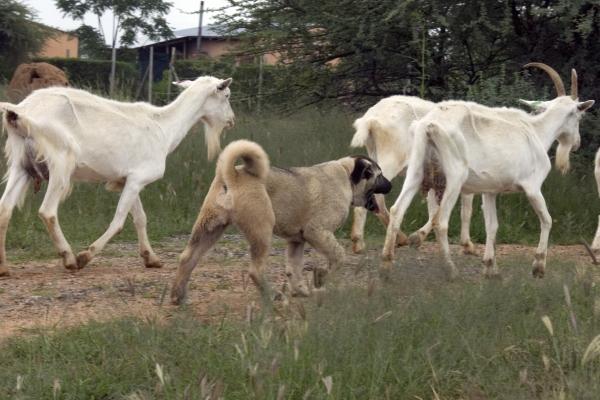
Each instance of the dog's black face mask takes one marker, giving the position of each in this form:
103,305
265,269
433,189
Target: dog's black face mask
382,185
367,180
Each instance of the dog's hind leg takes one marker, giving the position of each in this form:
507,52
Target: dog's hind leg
294,267
206,232
325,243
258,234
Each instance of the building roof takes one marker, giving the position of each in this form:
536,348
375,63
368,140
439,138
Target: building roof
208,31
54,29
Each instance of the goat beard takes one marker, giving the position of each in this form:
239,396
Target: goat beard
212,136
562,158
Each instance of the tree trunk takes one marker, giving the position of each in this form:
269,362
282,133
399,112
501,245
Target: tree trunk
113,58
113,64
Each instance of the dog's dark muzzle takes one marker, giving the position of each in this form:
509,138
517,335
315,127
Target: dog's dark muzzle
371,204
382,185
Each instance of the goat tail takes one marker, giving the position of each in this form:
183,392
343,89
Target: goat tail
4,106
256,161
18,123
364,129
9,115
445,140
49,144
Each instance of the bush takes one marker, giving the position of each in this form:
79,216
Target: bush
94,73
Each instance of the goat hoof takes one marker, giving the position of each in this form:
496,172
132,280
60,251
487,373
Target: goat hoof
83,258
300,294
300,291
319,275
401,240
4,270
387,258
153,263
538,272
385,272
452,273
415,240
151,260
358,246
469,249
492,275
178,294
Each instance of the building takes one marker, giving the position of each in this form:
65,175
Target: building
60,44
213,44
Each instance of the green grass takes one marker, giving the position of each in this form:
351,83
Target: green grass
410,339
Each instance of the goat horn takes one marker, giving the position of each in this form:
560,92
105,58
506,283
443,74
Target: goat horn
558,83
574,90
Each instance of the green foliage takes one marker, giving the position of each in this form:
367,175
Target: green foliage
20,36
91,43
94,73
413,338
245,84
132,16
389,47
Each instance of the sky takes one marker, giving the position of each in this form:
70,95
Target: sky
48,14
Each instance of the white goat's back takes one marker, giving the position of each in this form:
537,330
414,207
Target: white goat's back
499,145
384,130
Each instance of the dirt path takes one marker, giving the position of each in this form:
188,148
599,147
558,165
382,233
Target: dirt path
42,294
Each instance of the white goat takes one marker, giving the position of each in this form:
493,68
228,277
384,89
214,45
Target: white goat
491,150
65,135
384,131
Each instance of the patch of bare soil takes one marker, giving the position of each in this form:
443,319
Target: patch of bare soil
44,295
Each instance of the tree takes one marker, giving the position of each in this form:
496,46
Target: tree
130,17
91,43
20,35
359,51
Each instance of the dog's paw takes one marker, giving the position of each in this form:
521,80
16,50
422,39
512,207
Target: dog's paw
319,275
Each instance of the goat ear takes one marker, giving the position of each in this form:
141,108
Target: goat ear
225,84
359,169
534,105
584,105
183,84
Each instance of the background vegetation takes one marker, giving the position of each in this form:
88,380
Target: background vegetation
19,35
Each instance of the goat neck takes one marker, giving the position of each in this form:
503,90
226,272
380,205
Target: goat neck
177,118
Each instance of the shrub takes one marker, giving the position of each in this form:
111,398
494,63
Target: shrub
94,73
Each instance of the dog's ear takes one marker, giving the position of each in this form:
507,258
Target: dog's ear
362,169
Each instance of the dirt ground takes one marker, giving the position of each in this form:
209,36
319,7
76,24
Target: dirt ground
43,295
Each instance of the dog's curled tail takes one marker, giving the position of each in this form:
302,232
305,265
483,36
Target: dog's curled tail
256,161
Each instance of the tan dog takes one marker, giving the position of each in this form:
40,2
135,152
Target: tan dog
299,204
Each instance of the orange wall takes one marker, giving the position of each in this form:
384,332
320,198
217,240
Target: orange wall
61,45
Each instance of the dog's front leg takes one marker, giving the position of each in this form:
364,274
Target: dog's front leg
325,243
294,267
